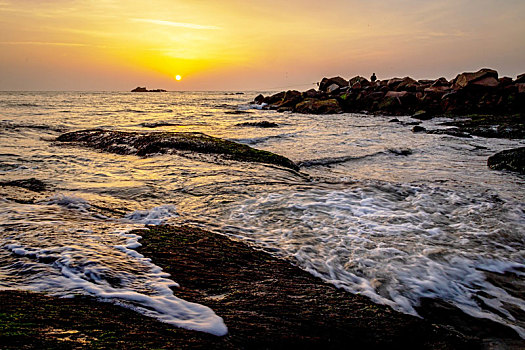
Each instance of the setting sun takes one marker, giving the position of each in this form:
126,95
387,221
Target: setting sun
178,77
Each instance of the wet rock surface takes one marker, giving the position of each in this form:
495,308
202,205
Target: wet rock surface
149,143
512,159
267,303
261,124
31,184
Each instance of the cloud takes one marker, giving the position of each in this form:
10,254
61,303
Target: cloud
175,24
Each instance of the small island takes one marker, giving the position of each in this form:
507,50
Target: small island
143,89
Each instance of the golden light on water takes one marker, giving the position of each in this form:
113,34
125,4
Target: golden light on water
178,77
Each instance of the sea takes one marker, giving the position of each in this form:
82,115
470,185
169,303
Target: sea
375,209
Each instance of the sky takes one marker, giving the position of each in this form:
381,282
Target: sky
251,45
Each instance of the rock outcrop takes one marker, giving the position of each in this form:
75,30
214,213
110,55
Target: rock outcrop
481,92
511,159
149,143
143,89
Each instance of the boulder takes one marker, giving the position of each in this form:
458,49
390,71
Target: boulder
326,82
334,88
278,97
512,159
440,82
418,128
520,79
422,115
407,84
393,83
259,99
484,77
312,93
314,106
290,99
358,82
505,81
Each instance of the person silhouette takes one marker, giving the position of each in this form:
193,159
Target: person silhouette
373,78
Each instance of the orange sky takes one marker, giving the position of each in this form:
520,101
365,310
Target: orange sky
250,45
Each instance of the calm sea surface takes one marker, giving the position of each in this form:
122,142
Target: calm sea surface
375,209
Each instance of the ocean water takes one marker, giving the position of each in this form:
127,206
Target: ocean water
375,209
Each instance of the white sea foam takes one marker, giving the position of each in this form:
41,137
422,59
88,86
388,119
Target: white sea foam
155,216
395,244
95,257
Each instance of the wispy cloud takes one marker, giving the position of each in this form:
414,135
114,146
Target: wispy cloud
176,24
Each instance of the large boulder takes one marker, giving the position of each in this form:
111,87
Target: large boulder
275,98
358,82
483,78
407,84
512,159
326,82
290,99
314,106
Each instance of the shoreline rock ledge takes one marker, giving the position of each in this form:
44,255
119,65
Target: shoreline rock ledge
469,93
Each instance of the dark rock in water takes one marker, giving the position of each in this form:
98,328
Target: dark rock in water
290,99
395,120
422,115
418,129
148,143
505,126
452,132
512,159
143,89
258,99
156,124
31,184
314,106
262,124
237,112
401,152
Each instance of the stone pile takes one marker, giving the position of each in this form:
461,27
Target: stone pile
469,93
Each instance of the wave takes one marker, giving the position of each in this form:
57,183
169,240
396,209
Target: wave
256,140
334,160
7,125
343,159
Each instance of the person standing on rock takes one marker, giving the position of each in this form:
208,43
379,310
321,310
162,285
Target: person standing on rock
373,78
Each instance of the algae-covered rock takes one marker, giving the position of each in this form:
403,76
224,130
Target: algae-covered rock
148,143
511,159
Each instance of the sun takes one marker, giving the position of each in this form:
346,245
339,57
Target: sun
178,77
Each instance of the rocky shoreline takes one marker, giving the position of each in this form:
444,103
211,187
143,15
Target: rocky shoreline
469,93
149,143
265,302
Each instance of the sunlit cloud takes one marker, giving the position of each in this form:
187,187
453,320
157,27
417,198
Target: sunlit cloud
176,24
